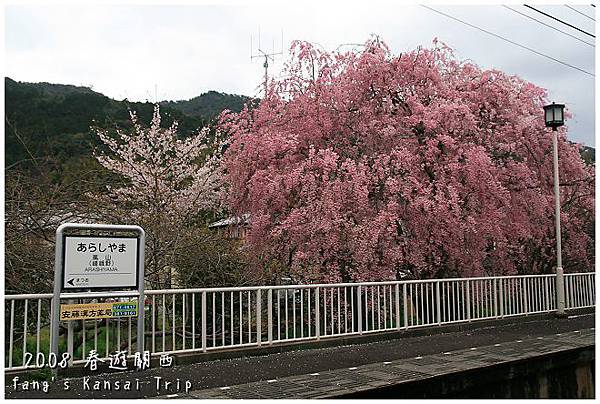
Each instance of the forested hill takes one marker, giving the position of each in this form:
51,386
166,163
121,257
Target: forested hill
46,120
208,105
588,154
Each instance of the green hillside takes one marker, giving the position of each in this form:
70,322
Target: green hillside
588,154
208,105
53,121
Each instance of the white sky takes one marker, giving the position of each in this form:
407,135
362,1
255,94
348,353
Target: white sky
126,51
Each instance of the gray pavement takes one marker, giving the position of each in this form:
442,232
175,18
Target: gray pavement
363,379
231,372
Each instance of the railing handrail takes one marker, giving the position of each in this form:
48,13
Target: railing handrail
274,287
29,296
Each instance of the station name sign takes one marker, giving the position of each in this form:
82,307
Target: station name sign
93,262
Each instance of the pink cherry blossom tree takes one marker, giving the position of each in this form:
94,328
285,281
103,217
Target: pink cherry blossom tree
168,181
370,166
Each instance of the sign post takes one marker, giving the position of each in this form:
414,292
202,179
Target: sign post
95,264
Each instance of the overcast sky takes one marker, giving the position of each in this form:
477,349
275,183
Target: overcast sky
131,51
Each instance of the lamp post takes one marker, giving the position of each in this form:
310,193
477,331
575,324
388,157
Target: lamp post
554,117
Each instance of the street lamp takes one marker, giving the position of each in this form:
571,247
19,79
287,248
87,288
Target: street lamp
555,117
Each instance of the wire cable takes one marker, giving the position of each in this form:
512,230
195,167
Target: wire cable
510,41
579,12
559,20
550,26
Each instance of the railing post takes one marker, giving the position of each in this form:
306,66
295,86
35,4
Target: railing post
577,291
566,285
573,292
525,292
70,332
468,301
546,295
495,283
405,305
582,292
398,306
501,289
12,330
591,289
25,331
270,315
258,318
438,305
317,314
587,290
359,304
204,321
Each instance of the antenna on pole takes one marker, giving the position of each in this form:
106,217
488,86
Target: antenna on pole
267,56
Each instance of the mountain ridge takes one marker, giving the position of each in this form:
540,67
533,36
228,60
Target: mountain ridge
210,103
53,121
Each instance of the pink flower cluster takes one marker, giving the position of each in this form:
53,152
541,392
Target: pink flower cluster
368,166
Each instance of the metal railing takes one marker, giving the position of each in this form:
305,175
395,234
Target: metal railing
580,290
209,319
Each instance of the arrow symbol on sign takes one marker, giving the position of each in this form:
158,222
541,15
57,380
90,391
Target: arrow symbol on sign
70,281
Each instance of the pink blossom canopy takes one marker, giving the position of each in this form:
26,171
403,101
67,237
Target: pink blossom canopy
371,166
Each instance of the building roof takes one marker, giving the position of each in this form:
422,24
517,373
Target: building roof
244,219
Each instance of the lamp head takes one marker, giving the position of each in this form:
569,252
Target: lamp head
554,115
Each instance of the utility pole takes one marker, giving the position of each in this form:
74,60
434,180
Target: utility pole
266,56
